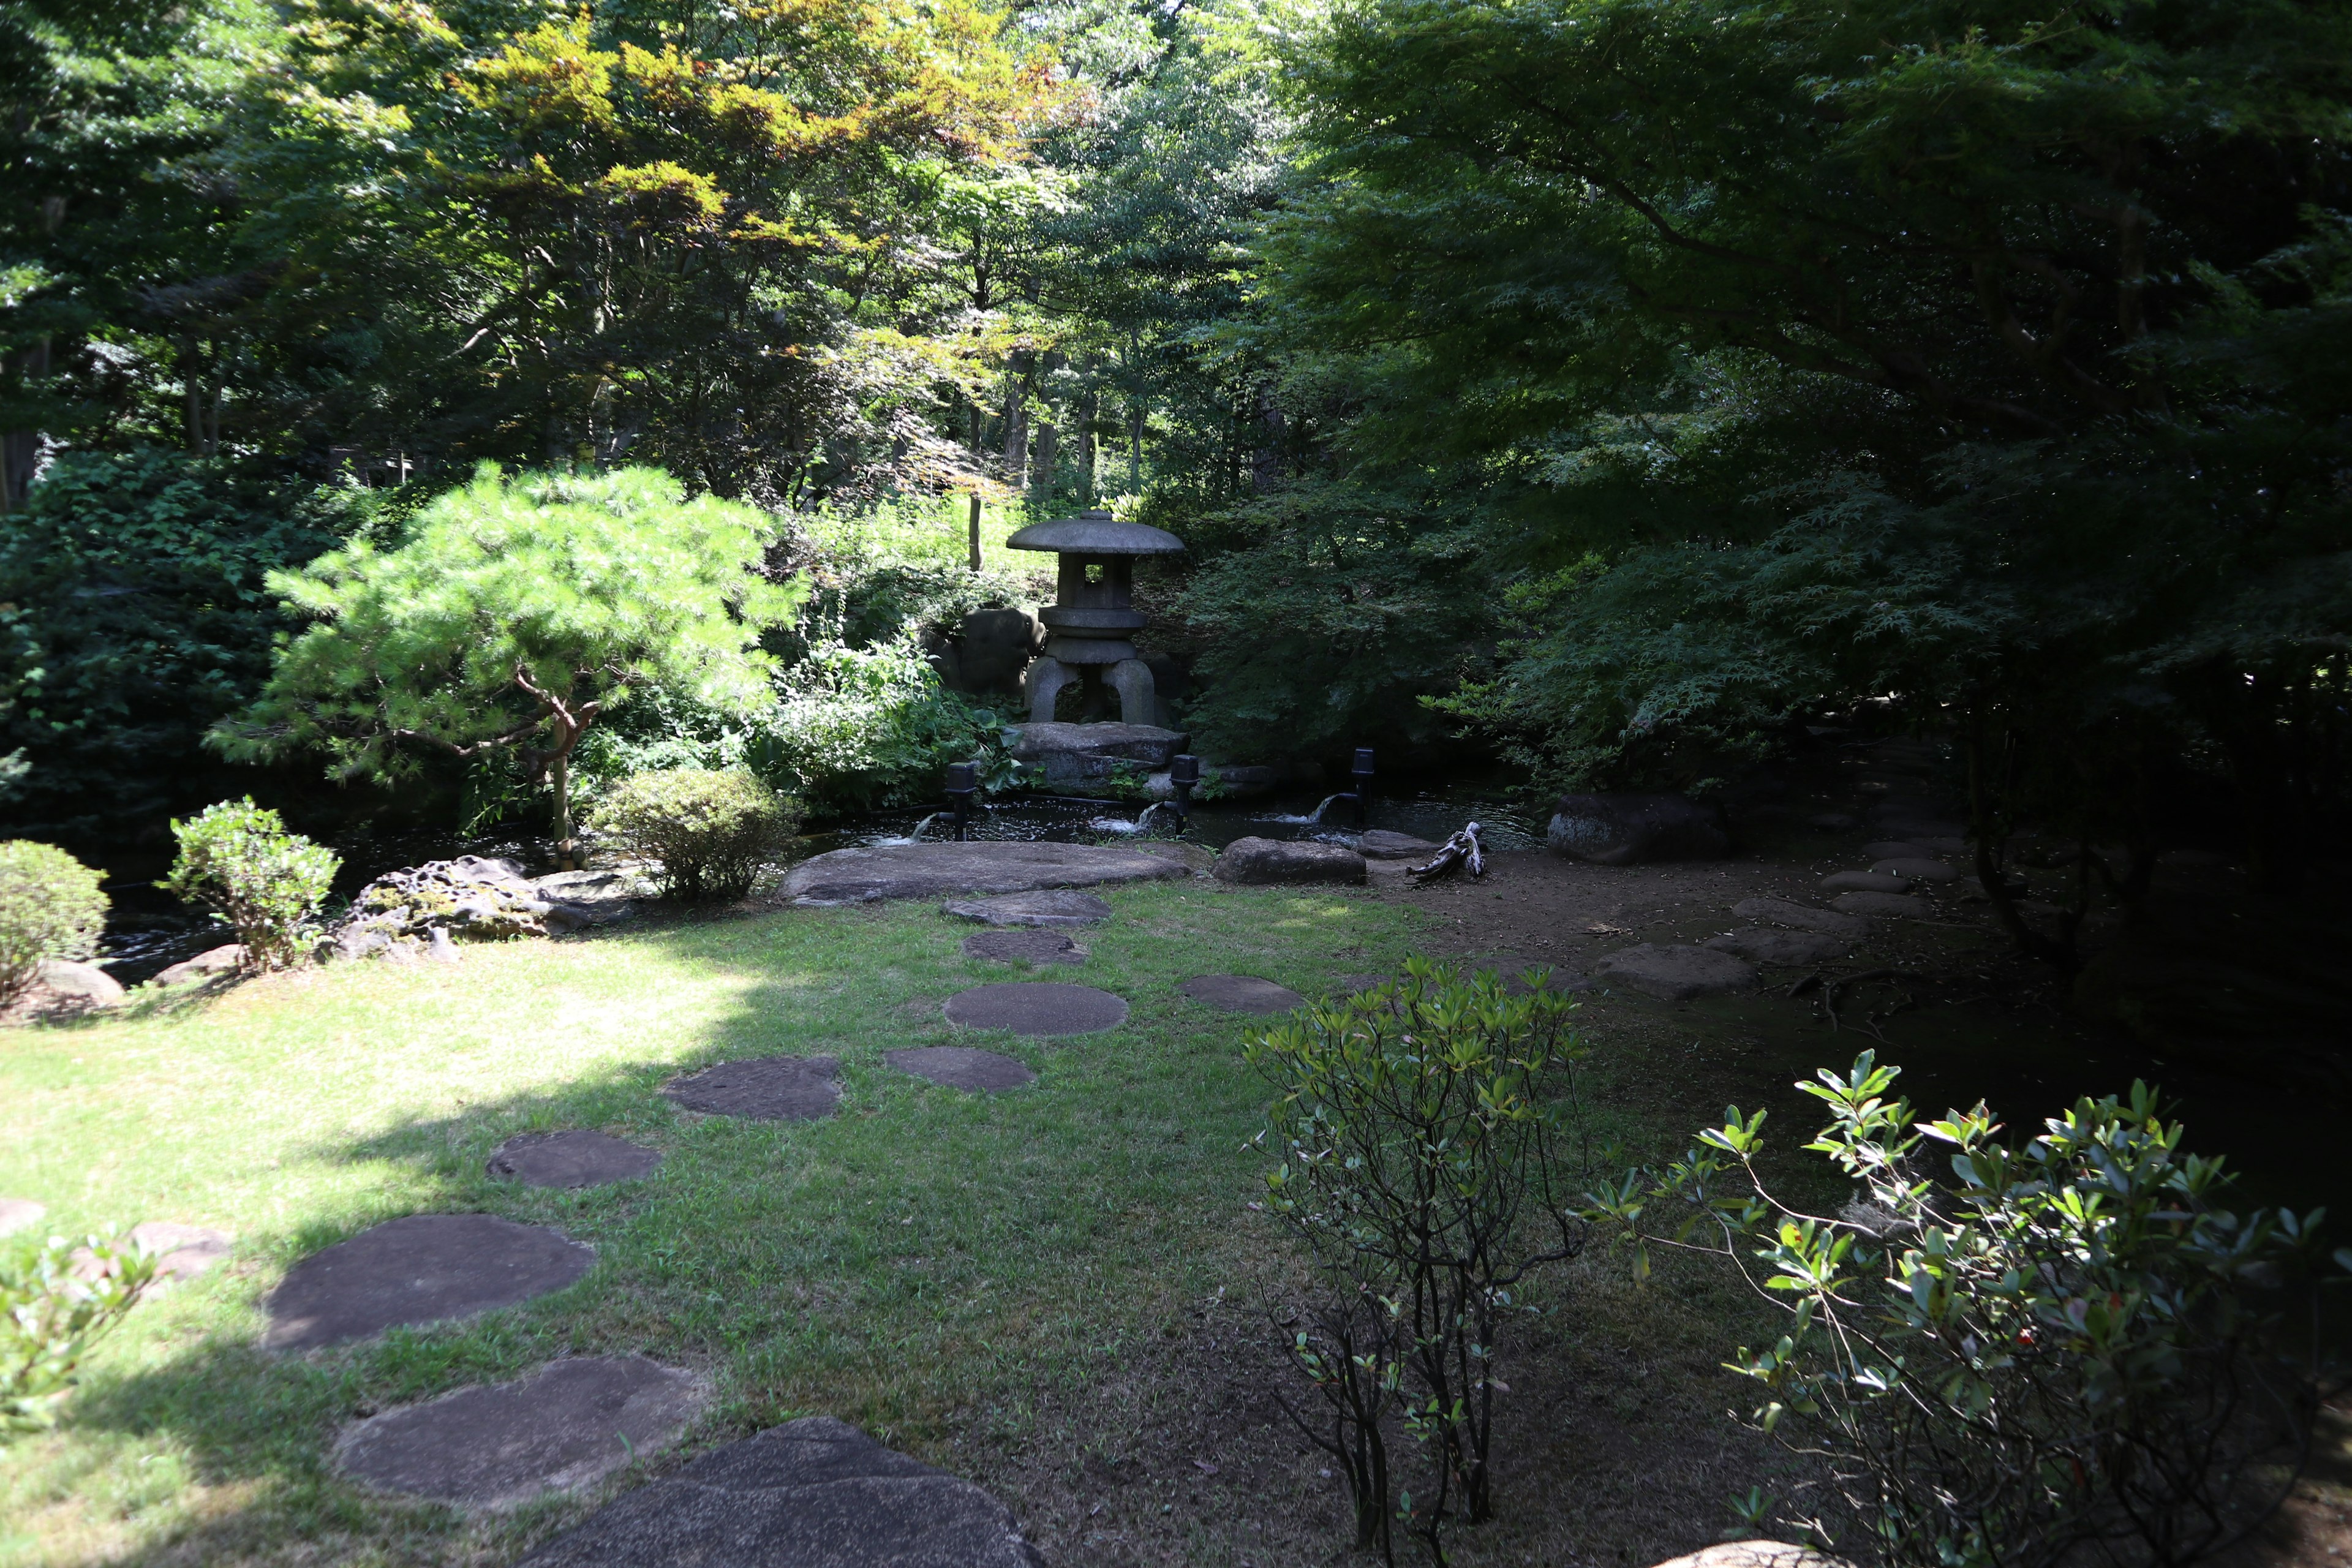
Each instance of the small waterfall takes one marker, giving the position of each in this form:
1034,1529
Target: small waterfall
1143,823
924,826
1317,814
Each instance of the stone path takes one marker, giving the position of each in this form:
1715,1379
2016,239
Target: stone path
1918,869
762,1088
1023,947
1050,906
577,1158
812,1493
1804,917
1672,972
1865,882
570,1423
422,1268
1896,904
19,1213
1781,947
935,870
1241,994
961,1067
1036,1007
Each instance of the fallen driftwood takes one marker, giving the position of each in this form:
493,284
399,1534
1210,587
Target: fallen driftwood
1463,851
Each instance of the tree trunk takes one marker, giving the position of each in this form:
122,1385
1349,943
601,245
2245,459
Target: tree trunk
1089,412
975,531
564,849
1047,455
1134,446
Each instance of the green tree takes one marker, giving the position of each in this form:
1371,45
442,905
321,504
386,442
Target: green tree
509,616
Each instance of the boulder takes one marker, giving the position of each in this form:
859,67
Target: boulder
935,870
226,959
1274,862
1920,869
1672,972
1634,829
1780,947
77,987
1865,882
1803,917
1379,844
1090,754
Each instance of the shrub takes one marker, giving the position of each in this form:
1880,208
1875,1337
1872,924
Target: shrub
2053,1355
1418,1126
51,907
239,859
711,828
49,1317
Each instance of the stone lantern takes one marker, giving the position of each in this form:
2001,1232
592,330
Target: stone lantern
1091,624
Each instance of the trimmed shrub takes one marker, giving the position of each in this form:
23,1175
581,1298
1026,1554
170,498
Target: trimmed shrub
237,859
711,828
51,907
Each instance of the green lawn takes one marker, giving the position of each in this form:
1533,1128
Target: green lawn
923,1253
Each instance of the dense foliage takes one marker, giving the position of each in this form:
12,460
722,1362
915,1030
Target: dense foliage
713,831
237,859
51,907
2066,1349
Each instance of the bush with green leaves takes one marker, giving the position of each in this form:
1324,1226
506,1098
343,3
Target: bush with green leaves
713,830
2058,1350
51,1311
237,859
51,907
1419,1128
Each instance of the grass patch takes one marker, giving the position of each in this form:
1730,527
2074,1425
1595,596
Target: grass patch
923,1255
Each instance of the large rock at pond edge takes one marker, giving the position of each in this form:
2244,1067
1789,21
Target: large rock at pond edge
78,987
214,962
1087,753
934,870
1631,829
811,1493
1677,974
1276,862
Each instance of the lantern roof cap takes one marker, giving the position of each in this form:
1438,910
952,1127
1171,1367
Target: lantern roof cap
1095,533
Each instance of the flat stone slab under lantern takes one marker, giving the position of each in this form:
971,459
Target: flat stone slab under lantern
1241,994
495,1445
935,870
1031,946
1037,1007
421,1269
811,1493
1050,908
961,1067
577,1158
762,1088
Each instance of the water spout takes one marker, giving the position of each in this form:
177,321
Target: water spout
923,825
1317,814
1143,823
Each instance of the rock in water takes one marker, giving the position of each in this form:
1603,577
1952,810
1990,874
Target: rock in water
1787,947
1632,829
1803,917
1055,907
935,870
1276,862
1088,753
1677,974
812,1493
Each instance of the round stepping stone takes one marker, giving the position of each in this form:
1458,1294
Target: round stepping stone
1029,946
1353,984
763,1088
1865,882
1035,1007
1241,994
961,1067
1054,907
1917,868
1783,947
1672,972
19,1213
566,1425
182,1251
811,1493
1803,917
577,1158
1896,904
1558,980
422,1268
1892,848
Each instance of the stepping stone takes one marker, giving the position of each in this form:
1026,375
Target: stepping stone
422,1269
1023,947
1887,848
1281,862
1559,980
935,870
19,1213
577,1158
961,1067
571,1422
1350,985
1379,844
1783,947
1895,904
811,1493
1865,882
762,1088
1241,994
1918,869
1053,907
1803,917
182,1251
1036,1007
1672,972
